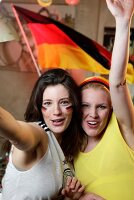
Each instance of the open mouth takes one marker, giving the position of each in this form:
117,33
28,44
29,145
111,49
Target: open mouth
58,122
92,124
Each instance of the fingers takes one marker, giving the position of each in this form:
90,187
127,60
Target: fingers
73,188
75,185
69,180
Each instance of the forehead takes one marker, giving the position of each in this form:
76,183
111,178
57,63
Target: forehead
55,91
95,95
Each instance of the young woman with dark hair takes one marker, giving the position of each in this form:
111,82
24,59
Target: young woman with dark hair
37,167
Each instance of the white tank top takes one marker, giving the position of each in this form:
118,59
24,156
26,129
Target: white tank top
42,182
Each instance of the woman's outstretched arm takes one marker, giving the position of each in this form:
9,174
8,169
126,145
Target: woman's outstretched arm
22,135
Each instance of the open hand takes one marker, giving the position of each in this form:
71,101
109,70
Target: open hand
121,8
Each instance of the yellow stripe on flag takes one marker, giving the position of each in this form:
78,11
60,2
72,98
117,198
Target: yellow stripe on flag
67,57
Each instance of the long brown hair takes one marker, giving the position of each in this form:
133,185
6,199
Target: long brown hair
71,140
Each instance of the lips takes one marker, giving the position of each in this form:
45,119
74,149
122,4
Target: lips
92,124
58,122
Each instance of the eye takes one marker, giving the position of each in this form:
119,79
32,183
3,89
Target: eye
102,107
65,102
47,104
85,106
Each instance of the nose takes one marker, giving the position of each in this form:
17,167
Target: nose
57,109
93,112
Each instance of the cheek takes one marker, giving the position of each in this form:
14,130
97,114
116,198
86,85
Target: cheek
45,113
68,113
69,108
84,125
44,109
105,118
84,114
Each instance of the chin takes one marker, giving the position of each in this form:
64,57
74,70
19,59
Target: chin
58,131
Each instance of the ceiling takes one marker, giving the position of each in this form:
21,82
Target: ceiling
32,1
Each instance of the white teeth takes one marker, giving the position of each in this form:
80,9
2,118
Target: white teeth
92,123
57,120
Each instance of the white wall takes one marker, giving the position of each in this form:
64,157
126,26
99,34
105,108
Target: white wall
15,89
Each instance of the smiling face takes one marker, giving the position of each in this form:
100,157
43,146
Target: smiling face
96,108
57,108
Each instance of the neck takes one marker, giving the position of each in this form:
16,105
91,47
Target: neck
59,138
91,144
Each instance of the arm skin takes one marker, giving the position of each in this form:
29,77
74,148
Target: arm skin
30,142
122,10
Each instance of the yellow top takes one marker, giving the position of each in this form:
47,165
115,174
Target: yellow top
108,170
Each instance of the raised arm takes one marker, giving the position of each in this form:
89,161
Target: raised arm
22,135
122,10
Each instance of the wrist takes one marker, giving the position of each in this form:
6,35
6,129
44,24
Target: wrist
123,23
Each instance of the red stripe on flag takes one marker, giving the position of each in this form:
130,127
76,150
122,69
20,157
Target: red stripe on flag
49,33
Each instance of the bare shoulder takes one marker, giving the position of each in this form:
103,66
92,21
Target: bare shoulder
31,130
40,134
25,159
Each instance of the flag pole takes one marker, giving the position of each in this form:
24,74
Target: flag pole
26,40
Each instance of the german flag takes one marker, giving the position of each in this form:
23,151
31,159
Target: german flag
60,46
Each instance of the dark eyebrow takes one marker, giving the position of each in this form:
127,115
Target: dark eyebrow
65,98
46,100
102,104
